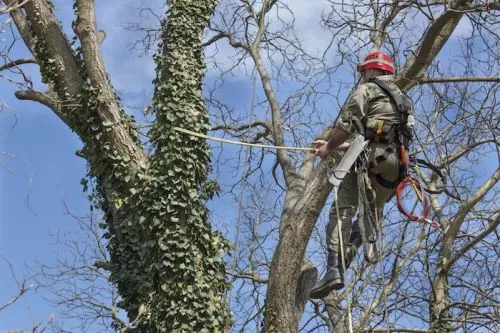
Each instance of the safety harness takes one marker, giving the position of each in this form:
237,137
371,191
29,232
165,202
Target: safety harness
399,135
403,137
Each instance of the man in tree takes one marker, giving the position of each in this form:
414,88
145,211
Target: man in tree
385,117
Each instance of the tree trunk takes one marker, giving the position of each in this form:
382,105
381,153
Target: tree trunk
176,258
439,314
166,259
283,309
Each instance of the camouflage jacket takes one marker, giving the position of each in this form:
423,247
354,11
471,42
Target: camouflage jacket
369,103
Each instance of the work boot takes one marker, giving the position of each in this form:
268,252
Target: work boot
333,279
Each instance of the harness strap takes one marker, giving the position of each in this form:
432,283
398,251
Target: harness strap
378,130
387,183
403,105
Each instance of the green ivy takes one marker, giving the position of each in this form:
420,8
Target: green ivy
172,262
165,254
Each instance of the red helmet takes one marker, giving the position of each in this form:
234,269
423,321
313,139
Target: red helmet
377,60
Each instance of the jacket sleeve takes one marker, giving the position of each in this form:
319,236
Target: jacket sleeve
356,105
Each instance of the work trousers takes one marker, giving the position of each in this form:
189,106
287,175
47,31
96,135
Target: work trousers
383,160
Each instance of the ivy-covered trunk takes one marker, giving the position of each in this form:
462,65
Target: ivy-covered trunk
165,259
173,261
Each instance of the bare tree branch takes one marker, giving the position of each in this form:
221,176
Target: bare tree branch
21,285
478,195
22,290
458,79
42,98
105,265
378,36
453,157
232,40
254,124
251,276
454,226
493,226
11,6
18,62
433,41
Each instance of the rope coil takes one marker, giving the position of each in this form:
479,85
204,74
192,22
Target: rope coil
410,181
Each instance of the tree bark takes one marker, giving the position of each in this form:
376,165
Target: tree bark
88,108
283,312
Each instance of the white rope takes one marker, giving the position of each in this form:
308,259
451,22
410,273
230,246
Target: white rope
381,257
341,241
208,137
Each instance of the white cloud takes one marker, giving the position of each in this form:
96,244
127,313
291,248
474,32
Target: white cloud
307,16
130,73
307,27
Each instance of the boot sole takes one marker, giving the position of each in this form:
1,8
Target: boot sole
326,289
